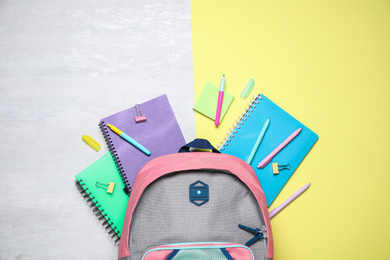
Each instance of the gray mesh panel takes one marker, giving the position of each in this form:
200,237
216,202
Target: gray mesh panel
165,215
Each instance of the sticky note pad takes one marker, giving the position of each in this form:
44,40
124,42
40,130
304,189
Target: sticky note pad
208,100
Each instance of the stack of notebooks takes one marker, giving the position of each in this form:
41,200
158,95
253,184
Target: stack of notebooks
160,134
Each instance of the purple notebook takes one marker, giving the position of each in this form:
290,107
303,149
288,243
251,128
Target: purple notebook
160,134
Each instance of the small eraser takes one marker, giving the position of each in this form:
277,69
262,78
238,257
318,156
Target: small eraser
139,119
248,88
275,168
91,142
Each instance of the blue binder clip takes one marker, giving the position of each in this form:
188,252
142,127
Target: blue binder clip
199,193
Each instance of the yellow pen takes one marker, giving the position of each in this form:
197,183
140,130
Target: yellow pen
129,139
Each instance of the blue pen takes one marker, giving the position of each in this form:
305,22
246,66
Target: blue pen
129,139
258,141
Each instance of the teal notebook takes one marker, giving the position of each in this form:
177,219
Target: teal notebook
110,208
241,140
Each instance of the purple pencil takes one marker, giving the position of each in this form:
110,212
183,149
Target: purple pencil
288,201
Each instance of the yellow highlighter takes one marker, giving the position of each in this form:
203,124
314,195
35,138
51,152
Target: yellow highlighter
91,142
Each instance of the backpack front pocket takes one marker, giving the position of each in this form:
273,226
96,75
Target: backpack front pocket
200,251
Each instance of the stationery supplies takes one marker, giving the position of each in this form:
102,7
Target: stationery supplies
109,187
220,100
161,134
91,142
207,101
240,142
139,117
129,139
258,141
269,157
248,88
109,207
183,198
275,211
276,168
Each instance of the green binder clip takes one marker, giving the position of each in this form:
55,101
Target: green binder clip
248,88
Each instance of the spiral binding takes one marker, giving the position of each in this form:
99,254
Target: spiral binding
99,212
106,134
239,122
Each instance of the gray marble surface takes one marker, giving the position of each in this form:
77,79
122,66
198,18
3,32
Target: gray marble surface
63,66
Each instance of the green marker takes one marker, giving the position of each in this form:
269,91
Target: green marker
258,141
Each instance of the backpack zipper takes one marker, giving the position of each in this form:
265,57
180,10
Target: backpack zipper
259,233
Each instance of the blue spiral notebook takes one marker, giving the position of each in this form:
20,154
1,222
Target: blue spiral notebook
244,135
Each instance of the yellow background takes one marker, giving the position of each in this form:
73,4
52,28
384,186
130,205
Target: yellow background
328,64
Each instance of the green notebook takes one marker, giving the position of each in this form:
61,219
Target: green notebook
109,207
208,100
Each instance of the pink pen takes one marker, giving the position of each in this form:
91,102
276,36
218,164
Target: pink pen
220,100
268,159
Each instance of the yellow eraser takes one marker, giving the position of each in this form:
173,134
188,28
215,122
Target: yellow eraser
91,142
111,186
275,168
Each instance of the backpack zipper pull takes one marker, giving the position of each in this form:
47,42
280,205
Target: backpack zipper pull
259,233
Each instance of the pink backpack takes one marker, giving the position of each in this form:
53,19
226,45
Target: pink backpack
196,205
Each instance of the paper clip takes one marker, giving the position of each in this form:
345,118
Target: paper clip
109,187
139,117
276,168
